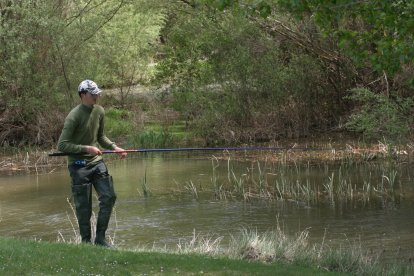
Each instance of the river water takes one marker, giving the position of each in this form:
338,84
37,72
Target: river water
36,206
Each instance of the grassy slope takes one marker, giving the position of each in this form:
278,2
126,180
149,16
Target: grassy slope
19,257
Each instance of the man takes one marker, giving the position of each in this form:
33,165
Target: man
82,132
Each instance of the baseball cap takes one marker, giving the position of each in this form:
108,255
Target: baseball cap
89,86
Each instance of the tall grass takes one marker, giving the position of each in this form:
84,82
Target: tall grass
151,139
145,188
277,247
333,185
118,122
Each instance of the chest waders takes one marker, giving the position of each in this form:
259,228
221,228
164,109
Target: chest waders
83,178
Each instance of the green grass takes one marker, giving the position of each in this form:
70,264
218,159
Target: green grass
118,122
119,125
176,129
22,257
151,139
159,136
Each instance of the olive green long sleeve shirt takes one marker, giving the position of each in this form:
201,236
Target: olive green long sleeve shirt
84,126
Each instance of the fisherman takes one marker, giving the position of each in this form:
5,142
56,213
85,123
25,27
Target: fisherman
82,132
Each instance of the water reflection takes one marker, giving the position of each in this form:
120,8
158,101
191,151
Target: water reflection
36,207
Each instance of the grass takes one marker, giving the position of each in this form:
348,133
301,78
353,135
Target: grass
160,136
22,257
122,124
279,181
248,253
29,161
151,139
118,122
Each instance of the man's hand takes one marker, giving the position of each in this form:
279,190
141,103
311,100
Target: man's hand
93,150
122,153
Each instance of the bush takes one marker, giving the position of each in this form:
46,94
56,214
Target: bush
118,122
378,116
151,139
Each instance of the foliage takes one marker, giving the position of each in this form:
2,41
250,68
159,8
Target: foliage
238,84
379,116
25,75
125,48
151,139
375,32
362,44
239,70
118,122
48,47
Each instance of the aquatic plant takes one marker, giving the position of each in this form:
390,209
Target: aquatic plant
282,182
144,185
189,186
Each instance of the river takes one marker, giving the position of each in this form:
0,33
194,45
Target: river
36,206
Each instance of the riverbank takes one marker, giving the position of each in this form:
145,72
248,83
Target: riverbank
23,257
28,257
18,161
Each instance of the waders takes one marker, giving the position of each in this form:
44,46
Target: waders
83,177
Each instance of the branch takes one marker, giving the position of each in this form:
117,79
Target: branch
82,11
106,21
193,5
297,38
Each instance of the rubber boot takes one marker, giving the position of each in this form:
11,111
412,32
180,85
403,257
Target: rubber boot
82,197
107,197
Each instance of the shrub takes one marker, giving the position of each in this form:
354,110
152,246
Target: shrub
118,122
151,139
378,116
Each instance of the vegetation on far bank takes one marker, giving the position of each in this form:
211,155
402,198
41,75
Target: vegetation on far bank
234,72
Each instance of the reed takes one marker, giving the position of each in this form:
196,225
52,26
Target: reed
206,245
144,185
29,160
152,139
219,191
295,183
189,186
277,246
329,188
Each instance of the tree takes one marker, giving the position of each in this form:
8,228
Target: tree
378,32
242,83
47,48
124,49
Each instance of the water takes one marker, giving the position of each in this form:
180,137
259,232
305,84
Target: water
36,207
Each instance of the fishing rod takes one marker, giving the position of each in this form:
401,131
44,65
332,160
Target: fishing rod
194,149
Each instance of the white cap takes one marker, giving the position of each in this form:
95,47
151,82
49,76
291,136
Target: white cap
89,86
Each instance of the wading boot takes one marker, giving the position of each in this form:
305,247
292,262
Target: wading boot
82,197
106,195
101,241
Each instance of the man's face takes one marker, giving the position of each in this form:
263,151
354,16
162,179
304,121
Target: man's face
90,99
